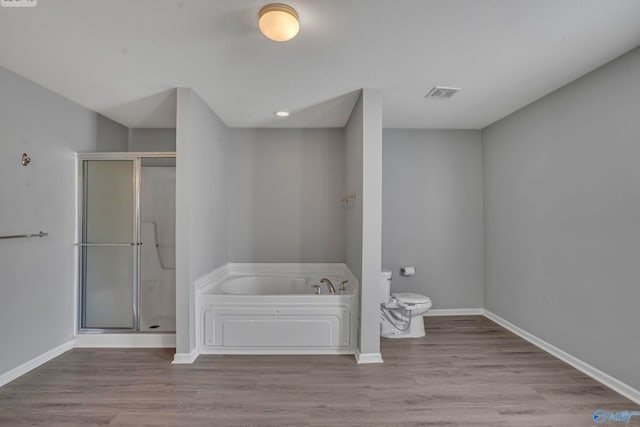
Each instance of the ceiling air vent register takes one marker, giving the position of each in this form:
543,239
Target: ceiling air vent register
441,92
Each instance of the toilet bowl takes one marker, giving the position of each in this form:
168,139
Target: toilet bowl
401,314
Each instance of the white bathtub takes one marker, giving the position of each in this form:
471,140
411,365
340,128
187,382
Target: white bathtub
263,285
274,309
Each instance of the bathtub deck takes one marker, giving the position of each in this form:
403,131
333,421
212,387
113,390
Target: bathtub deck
467,371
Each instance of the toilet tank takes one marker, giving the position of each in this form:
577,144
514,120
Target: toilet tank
385,286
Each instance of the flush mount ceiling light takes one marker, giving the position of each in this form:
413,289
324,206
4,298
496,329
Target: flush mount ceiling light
279,22
282,113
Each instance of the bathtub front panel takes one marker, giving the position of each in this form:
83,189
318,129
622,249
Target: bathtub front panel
277,326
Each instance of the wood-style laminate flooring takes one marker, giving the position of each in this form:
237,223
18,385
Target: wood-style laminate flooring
467,371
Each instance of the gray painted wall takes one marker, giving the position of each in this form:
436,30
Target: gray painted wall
151,139
284,188
201,200
111,136
37,276
432,214
562,212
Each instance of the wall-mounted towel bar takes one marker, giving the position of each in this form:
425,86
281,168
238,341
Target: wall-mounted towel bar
25,236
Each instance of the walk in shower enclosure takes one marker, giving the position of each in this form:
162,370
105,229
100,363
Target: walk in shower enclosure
126,242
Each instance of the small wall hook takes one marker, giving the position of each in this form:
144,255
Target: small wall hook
348,198
25,160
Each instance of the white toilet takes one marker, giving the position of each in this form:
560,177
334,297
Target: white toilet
402,313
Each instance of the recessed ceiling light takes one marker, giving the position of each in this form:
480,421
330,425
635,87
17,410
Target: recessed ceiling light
279,22
282,113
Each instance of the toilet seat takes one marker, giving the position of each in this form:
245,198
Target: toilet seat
410,298
414,307
409,301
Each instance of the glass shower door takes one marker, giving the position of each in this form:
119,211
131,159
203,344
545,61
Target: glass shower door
157,285
109,245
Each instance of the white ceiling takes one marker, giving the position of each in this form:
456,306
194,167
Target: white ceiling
121,58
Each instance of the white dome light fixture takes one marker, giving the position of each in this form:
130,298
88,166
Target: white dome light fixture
279,22
282,113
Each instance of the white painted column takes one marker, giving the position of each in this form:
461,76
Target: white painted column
185,338
364,217
371,226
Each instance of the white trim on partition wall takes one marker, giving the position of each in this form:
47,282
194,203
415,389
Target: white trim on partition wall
19,371
604,378
185,358
362,358
76,238
126,340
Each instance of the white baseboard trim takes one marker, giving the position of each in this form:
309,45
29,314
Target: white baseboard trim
362,358
274,351
19,371
456,312
604,378
185,358
125,340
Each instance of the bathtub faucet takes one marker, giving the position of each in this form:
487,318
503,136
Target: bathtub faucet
332,290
